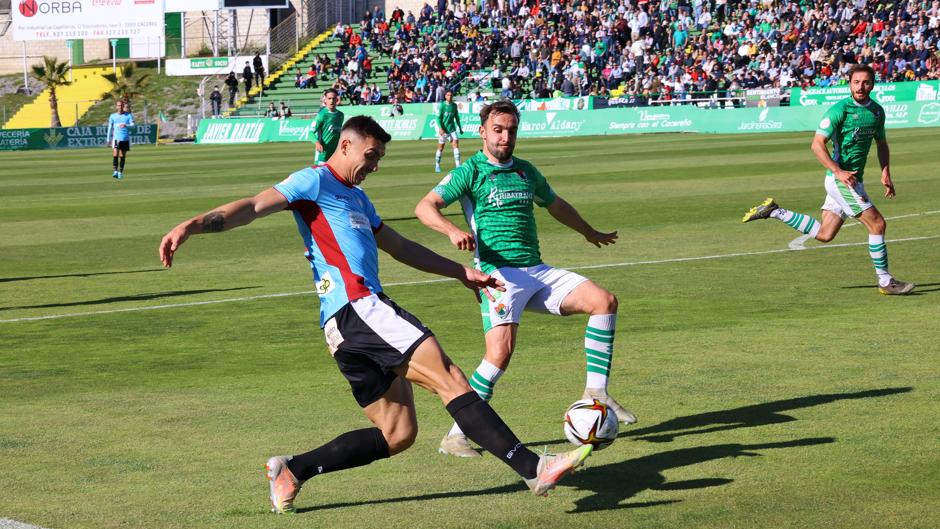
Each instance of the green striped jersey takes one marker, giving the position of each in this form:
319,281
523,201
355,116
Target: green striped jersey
851,127
497,201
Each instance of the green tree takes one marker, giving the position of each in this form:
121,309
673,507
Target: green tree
127,85
53,74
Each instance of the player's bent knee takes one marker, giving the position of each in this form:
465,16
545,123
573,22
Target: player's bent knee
825,237
400,439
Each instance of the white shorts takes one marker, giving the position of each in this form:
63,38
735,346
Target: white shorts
539,288
843,200
444,137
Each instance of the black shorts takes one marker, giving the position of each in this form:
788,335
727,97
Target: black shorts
369,338
121,145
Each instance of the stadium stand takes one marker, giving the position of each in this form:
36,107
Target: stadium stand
655,52
74,99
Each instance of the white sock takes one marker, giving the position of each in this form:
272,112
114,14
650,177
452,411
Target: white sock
457,157
879,257
599,349
482,381
437,158
798,221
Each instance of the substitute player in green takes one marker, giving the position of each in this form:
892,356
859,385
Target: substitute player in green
326,127
449,128
851,125
497,192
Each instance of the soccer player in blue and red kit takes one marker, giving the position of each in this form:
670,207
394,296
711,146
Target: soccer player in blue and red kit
379,347
119,137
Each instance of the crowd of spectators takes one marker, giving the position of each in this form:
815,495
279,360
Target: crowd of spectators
668,50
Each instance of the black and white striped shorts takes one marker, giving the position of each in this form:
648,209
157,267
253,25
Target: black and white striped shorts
369,338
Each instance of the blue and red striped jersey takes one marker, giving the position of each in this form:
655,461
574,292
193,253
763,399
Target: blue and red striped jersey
337,222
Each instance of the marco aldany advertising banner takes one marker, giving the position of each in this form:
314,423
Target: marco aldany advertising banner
86,19
884,93
422,124
70,137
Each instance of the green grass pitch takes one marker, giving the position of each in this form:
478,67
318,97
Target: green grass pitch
775,388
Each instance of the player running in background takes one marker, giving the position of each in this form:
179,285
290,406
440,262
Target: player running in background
326,127
119,137
850,124
497,192
448,128
379,347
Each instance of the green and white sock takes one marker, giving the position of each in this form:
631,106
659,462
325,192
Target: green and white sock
482,381
599,348
437,158
879,257
798,221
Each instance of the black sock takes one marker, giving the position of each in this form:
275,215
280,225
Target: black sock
481,424
352,449
122,162
115,163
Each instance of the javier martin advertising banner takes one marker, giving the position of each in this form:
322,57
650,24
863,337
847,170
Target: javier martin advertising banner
86,19
566,123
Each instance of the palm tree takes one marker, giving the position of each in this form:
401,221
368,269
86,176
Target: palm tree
53,74
127,85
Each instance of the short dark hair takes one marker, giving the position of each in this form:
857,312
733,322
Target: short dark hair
503,106
862,68
366,127
331,90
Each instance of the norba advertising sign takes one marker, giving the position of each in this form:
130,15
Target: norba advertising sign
86,19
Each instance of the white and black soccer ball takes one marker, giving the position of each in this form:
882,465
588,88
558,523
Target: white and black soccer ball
591,422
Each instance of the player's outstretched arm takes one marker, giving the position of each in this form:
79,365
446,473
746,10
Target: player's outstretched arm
884,158
417,256
566,214
428,212
226,217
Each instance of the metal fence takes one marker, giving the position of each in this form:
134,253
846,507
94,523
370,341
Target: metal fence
313,18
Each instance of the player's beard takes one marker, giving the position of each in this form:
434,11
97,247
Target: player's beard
502,154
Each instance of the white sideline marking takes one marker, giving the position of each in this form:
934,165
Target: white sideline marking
6,523
428,281
797,244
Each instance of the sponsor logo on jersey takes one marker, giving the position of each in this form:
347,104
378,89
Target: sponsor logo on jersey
496,197
325,285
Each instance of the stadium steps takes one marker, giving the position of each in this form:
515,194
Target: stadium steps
75,100
275,78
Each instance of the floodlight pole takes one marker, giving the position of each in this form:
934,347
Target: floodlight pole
25,68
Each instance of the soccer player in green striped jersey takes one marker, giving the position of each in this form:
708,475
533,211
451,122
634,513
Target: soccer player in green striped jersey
448,128
851,125
326,127
497,192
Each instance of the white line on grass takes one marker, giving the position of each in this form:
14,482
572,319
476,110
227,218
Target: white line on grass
797,244
6,523
428,281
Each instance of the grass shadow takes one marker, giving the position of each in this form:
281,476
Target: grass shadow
742,417
118,299
920,289
87,274
614,483
746,416
617,482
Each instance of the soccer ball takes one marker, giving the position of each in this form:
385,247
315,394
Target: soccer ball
591,422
